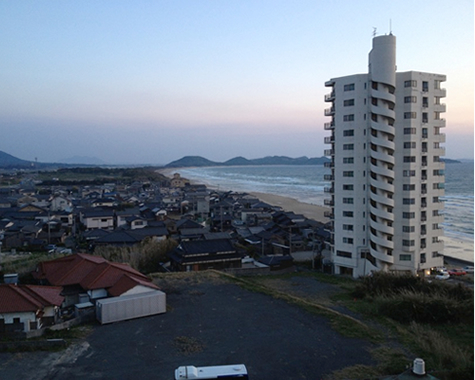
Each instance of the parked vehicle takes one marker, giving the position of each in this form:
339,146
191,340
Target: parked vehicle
436,270
443,275
468,269
457,272
236,371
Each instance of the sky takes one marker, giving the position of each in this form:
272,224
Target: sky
148,82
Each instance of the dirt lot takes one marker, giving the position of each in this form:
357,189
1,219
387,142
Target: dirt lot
209,321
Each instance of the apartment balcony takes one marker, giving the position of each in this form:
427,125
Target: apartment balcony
328,177
440,138
329,190
329,164
330,83
329,152
328,214
440,107
330,111
330,97
329,126
328,202
441,92
329,139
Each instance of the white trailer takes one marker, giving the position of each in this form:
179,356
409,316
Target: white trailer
235,371
121,308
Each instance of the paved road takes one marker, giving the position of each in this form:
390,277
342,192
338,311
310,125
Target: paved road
207,324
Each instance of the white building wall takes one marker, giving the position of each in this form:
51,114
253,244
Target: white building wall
25,318
387,135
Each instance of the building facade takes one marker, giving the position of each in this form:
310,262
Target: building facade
387,177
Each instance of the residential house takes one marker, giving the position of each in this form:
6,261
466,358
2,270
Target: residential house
60,203
122,215
97,218
28,307
198,255
178,181
87,278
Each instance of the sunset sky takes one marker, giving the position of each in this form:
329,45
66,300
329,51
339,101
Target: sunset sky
148,82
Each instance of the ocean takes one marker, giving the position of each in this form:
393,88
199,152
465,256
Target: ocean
306,184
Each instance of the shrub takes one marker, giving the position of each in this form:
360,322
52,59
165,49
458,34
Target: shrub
407,298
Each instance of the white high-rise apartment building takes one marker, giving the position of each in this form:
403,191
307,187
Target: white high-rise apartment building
387,178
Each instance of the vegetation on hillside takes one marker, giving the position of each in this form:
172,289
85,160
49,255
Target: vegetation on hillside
99,176
431,320
144,257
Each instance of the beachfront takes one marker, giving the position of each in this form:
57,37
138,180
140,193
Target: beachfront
455,248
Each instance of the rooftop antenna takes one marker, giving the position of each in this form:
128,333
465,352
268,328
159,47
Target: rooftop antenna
374,31
390,27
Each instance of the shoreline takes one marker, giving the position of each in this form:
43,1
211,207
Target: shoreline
310,211
454,248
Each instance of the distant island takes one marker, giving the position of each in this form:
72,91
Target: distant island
7,161
197,161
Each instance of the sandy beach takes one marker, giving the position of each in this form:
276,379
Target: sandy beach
457,248
310,211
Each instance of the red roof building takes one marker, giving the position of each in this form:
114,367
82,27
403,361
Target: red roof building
93,275
28,307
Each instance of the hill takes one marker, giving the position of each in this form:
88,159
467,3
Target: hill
197,161
9,161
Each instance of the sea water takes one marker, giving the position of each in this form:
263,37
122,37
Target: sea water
306,184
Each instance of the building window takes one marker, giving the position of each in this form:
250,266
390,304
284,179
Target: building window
425,86
349,87
348,201
404,257
435,199
348,102
409,201
409,158
410,115
410,83
408,229
408,215
348,160
410,145
348,214
349,132
347,187
347,240
425,117
349,117
410,99
409,187
408,243
408,173
348,227
409,131
348,146
344,254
